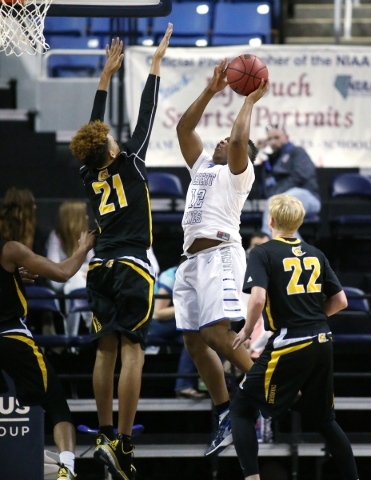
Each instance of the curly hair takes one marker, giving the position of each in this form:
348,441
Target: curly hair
17,216
72,221
90,144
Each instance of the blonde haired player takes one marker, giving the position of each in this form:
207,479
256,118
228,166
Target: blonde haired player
292,283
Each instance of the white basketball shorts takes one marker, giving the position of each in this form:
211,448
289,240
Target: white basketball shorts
208,288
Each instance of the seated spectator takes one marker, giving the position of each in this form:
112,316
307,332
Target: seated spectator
163,330
257,238
288,169
62,242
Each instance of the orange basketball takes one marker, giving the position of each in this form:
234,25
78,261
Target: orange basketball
245,73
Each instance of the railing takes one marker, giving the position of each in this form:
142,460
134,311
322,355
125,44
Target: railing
348,14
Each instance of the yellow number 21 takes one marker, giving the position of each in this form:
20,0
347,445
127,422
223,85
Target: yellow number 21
294,264
104,187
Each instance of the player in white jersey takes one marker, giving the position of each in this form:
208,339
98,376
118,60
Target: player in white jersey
208,287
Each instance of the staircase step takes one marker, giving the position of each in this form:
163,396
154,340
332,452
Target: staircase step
314,11
305,40
324,27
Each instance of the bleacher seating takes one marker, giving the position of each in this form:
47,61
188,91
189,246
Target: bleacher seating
238,23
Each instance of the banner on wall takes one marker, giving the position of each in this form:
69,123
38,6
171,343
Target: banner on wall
320,94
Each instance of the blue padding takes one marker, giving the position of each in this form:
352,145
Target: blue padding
51,340
251,217
351,184
352,220
41,299
164,185
356,304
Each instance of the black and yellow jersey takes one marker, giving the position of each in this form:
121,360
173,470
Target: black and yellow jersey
297,278
13,304
119,193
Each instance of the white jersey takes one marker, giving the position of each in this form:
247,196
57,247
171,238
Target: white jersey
214,201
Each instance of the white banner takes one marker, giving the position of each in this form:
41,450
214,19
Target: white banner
321,94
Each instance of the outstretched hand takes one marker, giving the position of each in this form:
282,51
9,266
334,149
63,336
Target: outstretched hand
26,276
161,49
259,92
114,56
87,240
219,80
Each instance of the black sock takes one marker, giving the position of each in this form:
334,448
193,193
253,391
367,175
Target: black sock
126,441
222,407
108,431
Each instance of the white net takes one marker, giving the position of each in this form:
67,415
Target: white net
22,26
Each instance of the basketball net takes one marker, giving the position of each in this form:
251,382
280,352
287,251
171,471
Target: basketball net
22,26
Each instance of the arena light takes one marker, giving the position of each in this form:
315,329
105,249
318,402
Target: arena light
202,42
93,43
255,42
263,9
202,9
148,42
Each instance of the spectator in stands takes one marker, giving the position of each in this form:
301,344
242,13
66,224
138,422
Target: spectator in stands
120,278
257,238
163,331
293,283
288,169
62,242
208,287
35,381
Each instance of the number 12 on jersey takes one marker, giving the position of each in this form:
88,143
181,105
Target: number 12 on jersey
296,265
105,188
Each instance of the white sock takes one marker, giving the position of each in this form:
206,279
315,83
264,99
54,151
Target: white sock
68,459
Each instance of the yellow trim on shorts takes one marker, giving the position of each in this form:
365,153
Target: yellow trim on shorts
272,364
21,297
151,282
269,313
149,214
93,265
39,357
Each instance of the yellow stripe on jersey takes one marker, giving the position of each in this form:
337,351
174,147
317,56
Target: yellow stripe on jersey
39,357
149,215
21,297
284,240
94,265
269,314
151,282
272,364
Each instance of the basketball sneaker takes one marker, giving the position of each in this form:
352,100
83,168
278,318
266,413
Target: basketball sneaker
222,436
118,461
65,473
99,441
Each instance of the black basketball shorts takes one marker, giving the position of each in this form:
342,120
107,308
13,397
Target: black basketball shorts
120,294
302,365
35,381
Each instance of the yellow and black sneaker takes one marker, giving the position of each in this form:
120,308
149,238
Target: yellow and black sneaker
117,459
99,441
65,473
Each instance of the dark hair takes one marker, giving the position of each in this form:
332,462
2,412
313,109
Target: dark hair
253,150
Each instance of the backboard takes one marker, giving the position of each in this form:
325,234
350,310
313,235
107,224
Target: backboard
110,8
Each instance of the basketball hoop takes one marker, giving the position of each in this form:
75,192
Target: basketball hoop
22,26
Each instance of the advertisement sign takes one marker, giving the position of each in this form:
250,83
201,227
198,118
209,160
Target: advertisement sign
21,438
320,94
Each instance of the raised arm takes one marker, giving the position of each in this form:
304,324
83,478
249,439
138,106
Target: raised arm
240,135
114,57
15,254
138,142
189,140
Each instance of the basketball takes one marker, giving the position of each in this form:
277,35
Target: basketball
245,73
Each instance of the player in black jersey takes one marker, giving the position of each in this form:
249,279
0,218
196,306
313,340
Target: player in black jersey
120,278
292,283
35,380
